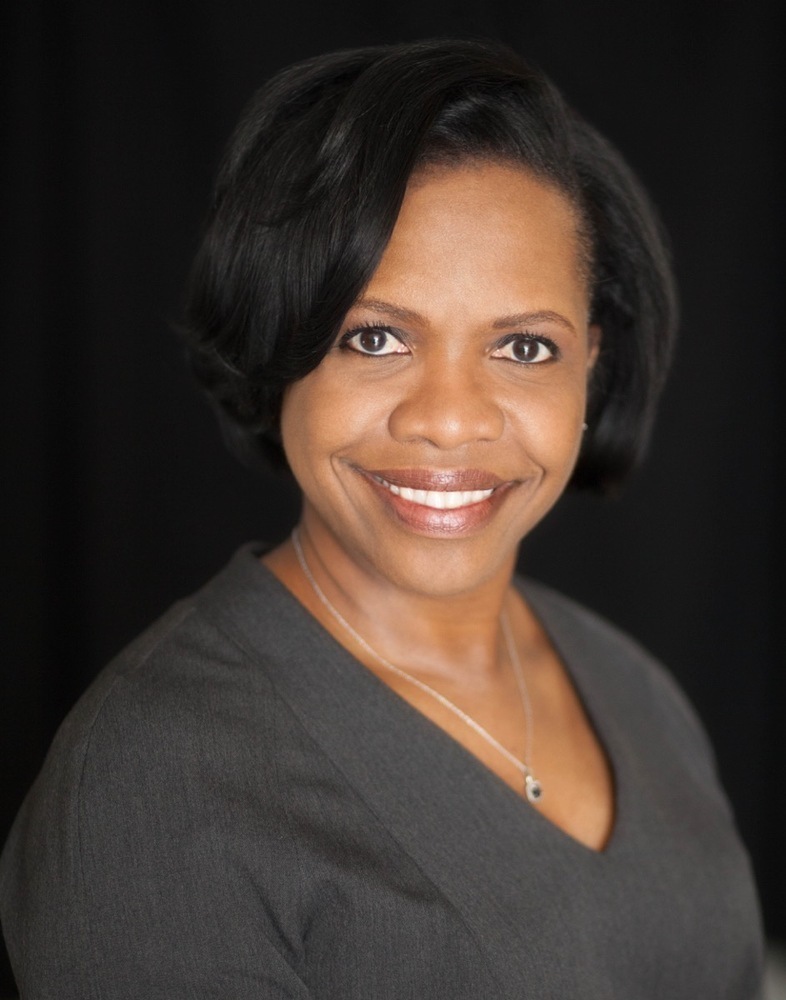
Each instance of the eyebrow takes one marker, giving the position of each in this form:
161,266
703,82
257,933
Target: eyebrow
398,312
503,323
540,316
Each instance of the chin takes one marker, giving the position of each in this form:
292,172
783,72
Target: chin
443,567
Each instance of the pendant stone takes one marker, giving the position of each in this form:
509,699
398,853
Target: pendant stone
532,788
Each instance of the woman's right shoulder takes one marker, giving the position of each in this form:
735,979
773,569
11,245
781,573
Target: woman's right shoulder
190,668
180,669
186,699
181,705
162,785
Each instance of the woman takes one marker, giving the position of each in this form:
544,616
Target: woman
368,763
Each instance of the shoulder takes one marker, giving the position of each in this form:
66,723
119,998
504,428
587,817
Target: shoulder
191,673
179,740
181,693
179,682
626,677
566,619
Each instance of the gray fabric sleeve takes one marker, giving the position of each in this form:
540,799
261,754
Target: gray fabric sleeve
139,806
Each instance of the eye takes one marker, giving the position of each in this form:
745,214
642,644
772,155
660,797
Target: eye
527,349
373,340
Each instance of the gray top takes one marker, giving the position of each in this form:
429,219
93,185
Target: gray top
238,809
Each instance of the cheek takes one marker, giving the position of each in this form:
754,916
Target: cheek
320,417
299,426
549,420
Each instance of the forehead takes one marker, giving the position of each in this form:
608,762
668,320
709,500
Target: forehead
483,229
489,186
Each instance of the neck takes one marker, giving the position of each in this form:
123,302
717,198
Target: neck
438,637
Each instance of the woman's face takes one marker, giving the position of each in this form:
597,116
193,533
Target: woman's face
447,417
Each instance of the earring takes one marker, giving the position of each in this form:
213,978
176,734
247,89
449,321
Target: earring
585,426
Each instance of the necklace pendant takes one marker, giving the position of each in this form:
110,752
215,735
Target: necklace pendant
533,789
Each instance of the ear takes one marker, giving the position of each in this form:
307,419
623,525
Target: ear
594,338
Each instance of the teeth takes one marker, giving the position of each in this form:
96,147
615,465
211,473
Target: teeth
438,499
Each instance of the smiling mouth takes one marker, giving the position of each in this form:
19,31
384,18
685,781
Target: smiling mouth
440,503
436,499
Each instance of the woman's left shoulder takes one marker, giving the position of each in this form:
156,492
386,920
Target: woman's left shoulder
607,659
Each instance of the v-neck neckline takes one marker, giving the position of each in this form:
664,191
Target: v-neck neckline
403,714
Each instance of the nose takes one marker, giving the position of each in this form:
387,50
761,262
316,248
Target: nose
448,405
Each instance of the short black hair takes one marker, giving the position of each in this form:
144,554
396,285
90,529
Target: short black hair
309,192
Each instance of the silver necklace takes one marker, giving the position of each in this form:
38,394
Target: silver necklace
532,787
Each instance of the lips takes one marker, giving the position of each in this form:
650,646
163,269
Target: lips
439,502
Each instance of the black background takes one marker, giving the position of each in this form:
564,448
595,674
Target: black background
119,496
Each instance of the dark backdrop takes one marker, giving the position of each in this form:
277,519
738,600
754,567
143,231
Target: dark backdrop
119,495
